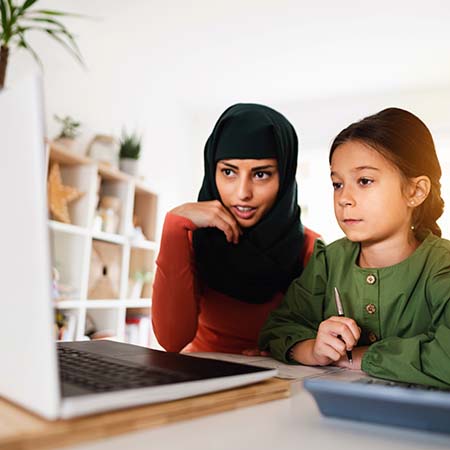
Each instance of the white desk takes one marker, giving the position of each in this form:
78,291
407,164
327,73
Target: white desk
293,423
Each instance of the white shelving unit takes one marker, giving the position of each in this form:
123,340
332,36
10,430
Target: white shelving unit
95,267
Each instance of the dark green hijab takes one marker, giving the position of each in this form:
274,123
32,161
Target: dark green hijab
267,257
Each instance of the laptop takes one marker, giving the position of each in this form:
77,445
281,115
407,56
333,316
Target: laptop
63,380
357,396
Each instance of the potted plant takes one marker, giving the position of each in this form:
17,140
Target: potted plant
16,20
69,130
130,151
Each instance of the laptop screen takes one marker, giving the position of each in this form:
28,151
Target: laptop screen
29,369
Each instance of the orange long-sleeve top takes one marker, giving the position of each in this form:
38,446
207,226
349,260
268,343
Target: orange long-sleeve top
188,318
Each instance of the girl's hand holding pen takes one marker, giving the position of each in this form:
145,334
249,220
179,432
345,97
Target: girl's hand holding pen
334,336
358,353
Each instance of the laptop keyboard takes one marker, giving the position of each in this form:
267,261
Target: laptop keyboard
98,374
381,382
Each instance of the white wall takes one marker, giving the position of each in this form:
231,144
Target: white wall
170,68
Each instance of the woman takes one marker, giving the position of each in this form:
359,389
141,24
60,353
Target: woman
226,261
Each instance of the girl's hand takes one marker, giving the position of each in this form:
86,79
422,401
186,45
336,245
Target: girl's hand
328,347
357,354
255,352
211,214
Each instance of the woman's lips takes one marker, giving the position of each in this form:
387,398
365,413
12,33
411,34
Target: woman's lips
244,212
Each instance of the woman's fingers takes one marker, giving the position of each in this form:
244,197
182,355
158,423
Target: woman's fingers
231,226
211,214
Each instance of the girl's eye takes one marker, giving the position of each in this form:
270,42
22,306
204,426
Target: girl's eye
336,185
262,175
365,181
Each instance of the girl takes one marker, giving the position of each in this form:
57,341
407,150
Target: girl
392,269
226,261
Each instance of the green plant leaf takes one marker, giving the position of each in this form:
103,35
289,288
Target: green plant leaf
23,44
60,28
17,20
4,22
73,48
74,52
51,12
27,4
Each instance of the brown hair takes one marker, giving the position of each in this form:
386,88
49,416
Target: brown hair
405,140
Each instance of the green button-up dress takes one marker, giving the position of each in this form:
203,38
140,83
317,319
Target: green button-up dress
403,310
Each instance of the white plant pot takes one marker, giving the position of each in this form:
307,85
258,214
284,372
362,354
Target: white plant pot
129,166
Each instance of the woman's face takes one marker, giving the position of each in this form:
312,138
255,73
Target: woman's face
248,188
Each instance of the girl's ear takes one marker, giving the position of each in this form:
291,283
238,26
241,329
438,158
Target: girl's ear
419,189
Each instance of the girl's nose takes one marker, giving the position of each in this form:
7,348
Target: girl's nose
346,198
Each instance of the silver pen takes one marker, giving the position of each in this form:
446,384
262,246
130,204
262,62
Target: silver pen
340,311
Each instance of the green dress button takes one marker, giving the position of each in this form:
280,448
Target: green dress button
372,337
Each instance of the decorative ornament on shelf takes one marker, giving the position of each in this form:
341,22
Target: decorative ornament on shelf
59,195
104,272
105,149
136,283
70,129
130,151
108,213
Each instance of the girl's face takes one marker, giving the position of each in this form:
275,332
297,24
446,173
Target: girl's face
248,188
369,200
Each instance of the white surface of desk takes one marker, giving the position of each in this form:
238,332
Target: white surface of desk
293,423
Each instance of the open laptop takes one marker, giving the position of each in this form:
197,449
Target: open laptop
77,378
356,396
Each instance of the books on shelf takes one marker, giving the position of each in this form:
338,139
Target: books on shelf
65,325
137,329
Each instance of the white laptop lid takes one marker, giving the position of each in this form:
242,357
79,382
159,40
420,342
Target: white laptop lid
27,349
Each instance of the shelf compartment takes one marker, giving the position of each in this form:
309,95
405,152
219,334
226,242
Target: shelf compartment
82,177
105,270
122,190
101,323
67,228
144,213
138,327
66,324
68,256
140,273
144,244
109,237
138,303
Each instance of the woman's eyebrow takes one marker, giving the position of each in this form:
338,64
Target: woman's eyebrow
254,169
268,166
229,165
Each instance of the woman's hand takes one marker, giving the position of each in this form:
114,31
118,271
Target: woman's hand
357,355
211,214
334,336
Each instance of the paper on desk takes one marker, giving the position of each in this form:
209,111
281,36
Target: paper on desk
285,371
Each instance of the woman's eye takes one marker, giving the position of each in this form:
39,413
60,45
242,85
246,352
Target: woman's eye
262,175
336,185
365,181
227,172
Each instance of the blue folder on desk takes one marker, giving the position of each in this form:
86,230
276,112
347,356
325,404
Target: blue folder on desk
359,397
